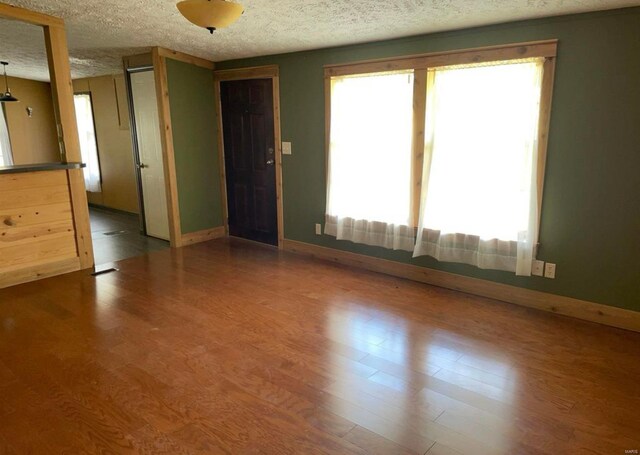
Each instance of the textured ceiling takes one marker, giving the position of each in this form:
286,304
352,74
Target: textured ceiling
101,32
22,45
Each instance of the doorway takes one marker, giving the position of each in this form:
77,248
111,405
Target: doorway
116,236
104,130
251,159
148,154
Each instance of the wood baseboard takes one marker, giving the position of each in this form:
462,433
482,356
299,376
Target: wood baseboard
112,210
32,272
580,309
203,236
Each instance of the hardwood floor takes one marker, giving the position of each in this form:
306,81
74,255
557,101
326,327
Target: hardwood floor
230,347
116,236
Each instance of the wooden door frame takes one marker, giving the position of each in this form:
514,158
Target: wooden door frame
258,72
134,138
135,145
159,56
65,113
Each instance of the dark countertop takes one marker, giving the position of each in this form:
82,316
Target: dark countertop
39,167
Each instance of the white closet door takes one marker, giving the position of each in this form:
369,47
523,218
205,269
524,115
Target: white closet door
145,108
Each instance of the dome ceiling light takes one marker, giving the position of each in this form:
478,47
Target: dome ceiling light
210,14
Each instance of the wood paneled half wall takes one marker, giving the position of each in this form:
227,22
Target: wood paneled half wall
44,215
37,233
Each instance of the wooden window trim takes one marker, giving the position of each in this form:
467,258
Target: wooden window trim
419,120
546,98
420,64
531,49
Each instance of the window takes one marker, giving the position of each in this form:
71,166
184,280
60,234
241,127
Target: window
449,167
88,143
6,157
370,187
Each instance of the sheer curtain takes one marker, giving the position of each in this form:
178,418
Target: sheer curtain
6,156
369,175
88,144
479,196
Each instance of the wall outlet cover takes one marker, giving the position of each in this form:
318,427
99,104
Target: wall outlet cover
318,229
550,270
537,269
286,148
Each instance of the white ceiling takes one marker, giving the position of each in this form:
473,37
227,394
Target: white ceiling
101,32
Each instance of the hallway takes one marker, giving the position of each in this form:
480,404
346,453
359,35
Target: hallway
116,236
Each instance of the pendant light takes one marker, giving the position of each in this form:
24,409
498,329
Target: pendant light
210,14
6,97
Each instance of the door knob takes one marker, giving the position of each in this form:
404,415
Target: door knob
142,166
270,162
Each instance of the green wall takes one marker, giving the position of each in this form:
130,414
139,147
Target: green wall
193,118
591,209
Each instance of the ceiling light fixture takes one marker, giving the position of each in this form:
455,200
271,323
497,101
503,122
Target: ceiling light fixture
6,97
210,14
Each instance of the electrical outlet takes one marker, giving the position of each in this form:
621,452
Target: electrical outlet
537,268
318,229
286,148
550,270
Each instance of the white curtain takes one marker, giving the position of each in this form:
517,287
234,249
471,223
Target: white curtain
88,144
479,196
6,156
369,175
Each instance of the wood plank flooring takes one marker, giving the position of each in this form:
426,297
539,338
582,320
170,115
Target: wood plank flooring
116,236
230,347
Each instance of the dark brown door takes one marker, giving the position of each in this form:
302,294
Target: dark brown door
249,151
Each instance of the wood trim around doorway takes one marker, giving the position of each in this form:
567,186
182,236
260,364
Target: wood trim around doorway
159,56
259,72
185,58
62,96
166,136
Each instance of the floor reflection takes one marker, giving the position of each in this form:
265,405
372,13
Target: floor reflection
201,346
423,386
116,236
